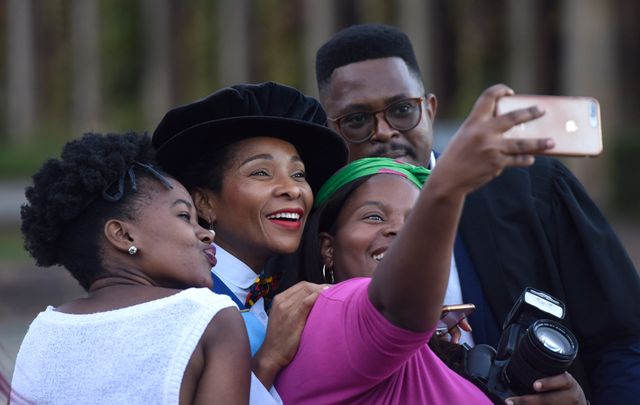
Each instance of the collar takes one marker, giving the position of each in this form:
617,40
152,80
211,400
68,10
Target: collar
232,270
432,161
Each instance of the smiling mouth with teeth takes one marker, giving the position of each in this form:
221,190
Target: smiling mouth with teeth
285,216
378,257
287,219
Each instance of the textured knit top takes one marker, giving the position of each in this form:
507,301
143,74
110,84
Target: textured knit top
132,355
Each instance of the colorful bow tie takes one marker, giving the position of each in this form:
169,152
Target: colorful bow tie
262,287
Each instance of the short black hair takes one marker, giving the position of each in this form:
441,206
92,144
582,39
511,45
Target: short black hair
66,207
206,172
363,42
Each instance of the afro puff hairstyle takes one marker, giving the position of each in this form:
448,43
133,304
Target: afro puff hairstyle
363,42
65,212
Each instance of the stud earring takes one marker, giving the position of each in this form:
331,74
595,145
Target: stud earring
213,233
133,250
327,275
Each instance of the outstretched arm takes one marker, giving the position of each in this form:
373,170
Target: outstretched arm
409,284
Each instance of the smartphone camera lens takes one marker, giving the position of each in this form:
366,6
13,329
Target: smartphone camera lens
593,114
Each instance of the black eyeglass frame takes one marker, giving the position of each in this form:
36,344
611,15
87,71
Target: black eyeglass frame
374,114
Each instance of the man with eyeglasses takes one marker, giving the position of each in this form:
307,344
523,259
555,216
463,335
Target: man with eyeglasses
531,226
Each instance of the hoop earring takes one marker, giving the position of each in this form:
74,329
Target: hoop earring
133,250
327,272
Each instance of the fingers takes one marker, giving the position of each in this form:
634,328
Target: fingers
294,295
558,389
519,152
455,334
464,325
486,103
557,382
526,146
506,121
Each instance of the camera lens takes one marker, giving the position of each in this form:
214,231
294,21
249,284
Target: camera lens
547,348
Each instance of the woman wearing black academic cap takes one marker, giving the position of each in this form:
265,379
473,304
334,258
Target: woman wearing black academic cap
252,156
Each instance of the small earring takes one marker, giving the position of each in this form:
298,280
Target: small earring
213,233
327,272
133,250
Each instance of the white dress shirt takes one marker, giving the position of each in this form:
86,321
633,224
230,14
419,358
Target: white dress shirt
238,277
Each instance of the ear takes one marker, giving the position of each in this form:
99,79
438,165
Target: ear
431,103
118,235
203,199
326,248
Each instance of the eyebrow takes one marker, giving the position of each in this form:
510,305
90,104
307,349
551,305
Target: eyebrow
374,203
267,156
264,156
181,201
359,107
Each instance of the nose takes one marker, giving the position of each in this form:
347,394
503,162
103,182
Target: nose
393,227
205,235
289,187
383,131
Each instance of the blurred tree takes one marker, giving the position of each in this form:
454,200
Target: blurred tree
53,64
276,32
21,69
234,45
156,59
318,25
413,17
86,92
588,68
121,48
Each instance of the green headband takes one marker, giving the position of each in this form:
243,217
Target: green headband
366,167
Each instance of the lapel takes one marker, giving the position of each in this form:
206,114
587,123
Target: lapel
220,287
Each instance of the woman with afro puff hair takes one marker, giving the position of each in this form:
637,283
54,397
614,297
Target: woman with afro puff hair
149,330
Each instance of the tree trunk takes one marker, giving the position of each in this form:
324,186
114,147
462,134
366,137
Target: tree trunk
21,87
234,44
522,45
156,88
86,91
588,69
319,26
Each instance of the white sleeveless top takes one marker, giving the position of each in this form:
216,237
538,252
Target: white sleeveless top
133,355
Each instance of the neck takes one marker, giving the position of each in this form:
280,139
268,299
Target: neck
119,281
254,261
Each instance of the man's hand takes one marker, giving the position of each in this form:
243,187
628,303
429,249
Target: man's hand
558,389
287,318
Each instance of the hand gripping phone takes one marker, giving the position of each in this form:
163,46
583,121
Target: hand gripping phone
572,122
451,316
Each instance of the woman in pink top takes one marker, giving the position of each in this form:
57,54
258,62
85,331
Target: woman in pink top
365,339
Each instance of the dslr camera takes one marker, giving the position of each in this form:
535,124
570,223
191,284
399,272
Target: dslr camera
533,345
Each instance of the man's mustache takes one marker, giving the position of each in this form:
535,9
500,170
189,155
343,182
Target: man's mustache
383,150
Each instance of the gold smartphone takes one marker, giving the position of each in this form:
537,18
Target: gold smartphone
572,122
451,316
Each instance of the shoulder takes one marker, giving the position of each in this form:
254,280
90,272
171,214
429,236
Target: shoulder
345,290
208,298
538,181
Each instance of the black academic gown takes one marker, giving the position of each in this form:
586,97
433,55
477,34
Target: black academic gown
538,227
